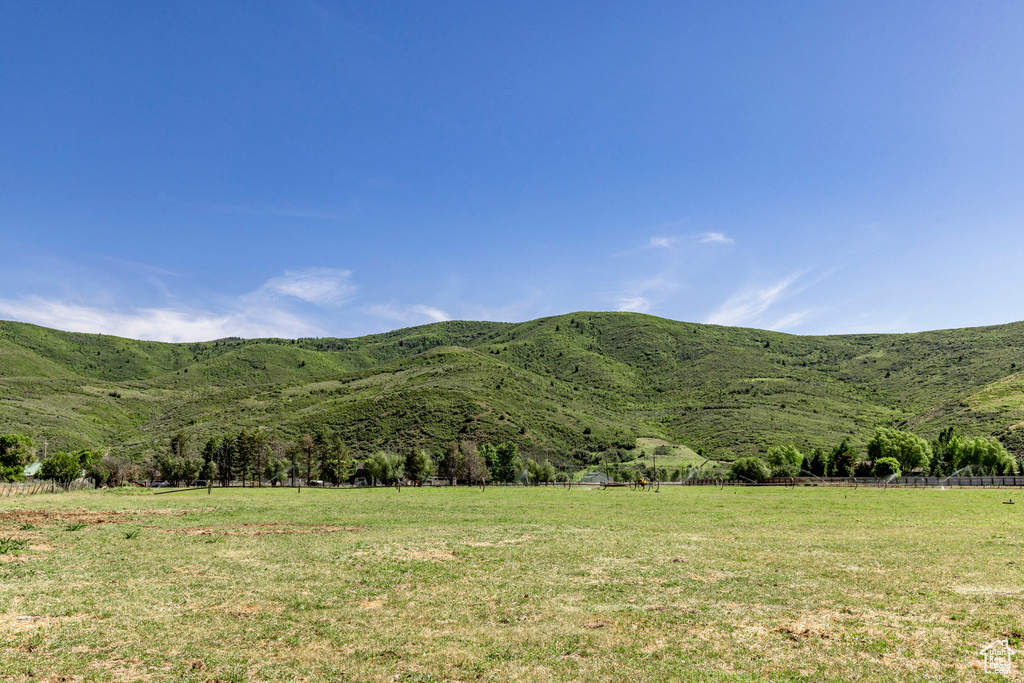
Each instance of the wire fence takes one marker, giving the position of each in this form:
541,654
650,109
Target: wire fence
29,488
873,482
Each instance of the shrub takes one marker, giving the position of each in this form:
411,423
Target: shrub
15,452
784,461
63,466
885,467
751,469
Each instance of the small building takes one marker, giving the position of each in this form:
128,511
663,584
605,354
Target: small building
31,470
595,478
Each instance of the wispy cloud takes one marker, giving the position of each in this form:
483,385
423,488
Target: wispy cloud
640,295
662,242
714,238
156,324
415,314
748,305
634,304
268,311
791,320
676,243
320,286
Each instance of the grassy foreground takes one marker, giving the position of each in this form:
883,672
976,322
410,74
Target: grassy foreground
509,584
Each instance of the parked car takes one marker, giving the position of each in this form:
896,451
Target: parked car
316,482
159,484
200,482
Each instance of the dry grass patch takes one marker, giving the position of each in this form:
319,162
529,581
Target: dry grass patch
83,516
263,529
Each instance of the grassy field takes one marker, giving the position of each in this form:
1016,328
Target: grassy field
533,584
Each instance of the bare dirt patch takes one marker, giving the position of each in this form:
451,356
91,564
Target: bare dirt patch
246,610
489,544
429,555
376,603
83,516
263,529
19,623
597,623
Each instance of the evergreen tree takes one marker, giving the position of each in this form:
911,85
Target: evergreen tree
449,465
819,463
843,460
508,463
336,463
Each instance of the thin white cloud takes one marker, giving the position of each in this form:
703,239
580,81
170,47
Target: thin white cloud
264,312
640,296
663,242
416,314
714,238
320,286
790,321
634,304
747,306
674,244
535,303
156,324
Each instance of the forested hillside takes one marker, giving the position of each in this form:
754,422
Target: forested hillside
560,387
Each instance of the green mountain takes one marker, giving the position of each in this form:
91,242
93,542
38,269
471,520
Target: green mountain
557,386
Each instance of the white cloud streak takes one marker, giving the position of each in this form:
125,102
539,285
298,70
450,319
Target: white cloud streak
416,314
714,238
662,242
634,304
320,286
747,306
791,320
265,312
155,324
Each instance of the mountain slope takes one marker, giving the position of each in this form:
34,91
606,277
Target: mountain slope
558,385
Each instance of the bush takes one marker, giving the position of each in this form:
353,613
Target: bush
784,461
750,469
885,467
15,452
63,466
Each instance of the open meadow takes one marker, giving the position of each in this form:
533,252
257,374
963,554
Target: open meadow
529,584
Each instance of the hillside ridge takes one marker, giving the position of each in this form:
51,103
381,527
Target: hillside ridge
560,386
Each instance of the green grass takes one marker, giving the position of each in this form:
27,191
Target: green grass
559,385
537,584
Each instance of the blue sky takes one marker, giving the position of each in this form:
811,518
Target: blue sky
183,171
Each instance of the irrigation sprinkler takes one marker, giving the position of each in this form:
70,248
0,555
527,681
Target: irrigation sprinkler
696,470
813,475
942,483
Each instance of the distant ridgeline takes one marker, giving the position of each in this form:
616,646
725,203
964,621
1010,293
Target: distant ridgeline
560,388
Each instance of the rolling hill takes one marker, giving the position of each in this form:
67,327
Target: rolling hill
561,386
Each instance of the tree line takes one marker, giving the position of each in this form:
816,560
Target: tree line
252,458
890,452
255,459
